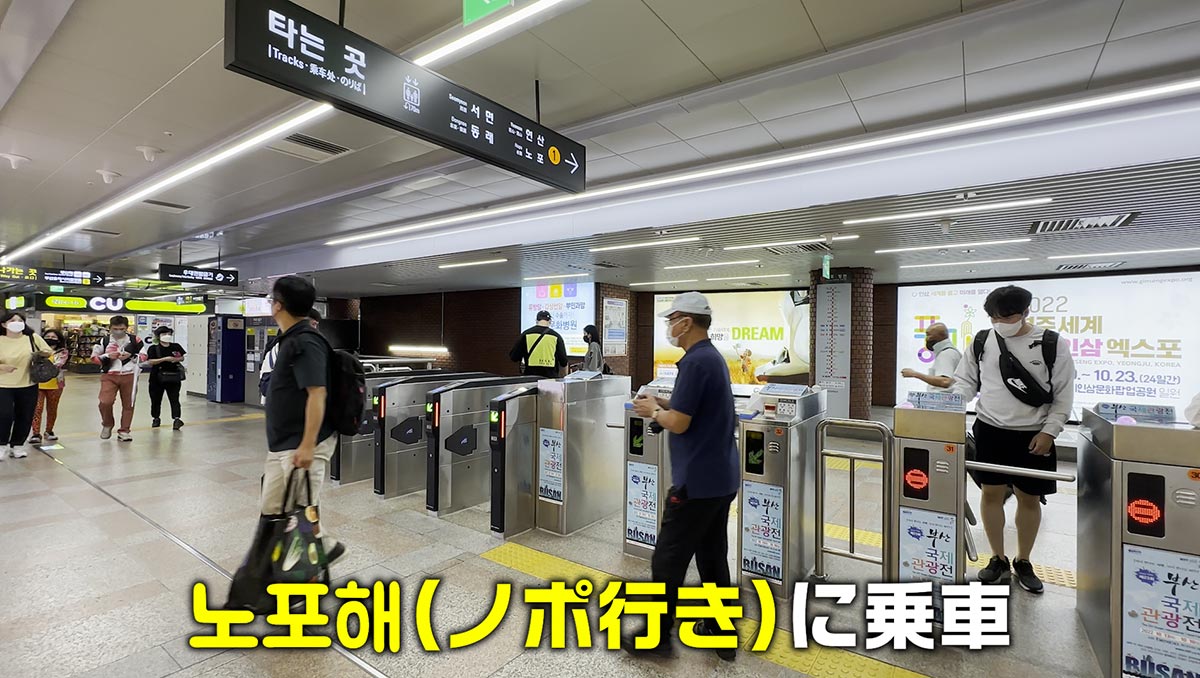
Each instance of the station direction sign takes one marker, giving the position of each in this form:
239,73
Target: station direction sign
51,276
191,274
285,45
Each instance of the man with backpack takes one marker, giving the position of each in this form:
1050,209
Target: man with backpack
540,349
1025,379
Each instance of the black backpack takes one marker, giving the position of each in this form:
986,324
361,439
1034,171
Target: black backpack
1011,369
346,392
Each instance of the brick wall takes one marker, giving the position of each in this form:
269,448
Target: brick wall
645,333
343,309
620,364
862,332
884,372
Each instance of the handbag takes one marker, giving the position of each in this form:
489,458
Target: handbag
41,368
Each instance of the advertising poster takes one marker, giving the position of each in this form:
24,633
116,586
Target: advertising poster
763,336
762,530
928,541
572,307
833,346
641,503
1131,338
1160,632
550,465
616,327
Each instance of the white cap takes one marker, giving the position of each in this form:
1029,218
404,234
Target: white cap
692,303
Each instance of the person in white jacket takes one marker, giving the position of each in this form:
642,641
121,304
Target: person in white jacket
1192,412
268,363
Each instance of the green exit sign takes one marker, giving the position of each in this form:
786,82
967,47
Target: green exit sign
57,288
474,10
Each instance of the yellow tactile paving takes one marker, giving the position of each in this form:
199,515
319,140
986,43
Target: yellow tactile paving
543,565
861,537
837,464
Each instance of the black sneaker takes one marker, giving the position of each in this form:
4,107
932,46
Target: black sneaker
35,439
156,423
1026,577
178,424
338,550
996,572
706,627
629,644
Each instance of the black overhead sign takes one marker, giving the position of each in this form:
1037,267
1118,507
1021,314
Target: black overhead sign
191,274
51,276
288,46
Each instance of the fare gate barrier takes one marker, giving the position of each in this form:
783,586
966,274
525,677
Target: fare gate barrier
647,474
777,516
512,426
400,436
1139,541
354,459
458,455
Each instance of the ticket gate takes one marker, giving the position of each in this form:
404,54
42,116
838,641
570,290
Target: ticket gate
458,463
579,452
354,459
512,430
1139,541
647,474
777,450
400,436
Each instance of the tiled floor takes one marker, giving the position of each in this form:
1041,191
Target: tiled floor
98,577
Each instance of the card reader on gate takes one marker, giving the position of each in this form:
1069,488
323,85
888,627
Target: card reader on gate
777,402
659,388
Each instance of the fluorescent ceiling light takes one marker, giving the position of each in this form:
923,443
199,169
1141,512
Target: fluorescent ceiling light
715,263
781,243
950,211
749,277
556,277
1126,254
474,263
982,243
172,178
636,245
662,282
965,263
404,348
508,21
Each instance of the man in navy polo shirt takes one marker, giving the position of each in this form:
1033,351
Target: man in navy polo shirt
704,470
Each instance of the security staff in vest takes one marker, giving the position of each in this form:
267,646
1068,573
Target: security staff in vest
541,349
945,360
704,469
1025,379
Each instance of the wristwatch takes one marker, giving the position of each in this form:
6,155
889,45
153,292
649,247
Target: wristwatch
654,415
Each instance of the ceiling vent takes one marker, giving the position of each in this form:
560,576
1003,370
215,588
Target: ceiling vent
754,283
308,148
1091,266
607,264
98,232
1086,224
64,250
160,206
809,248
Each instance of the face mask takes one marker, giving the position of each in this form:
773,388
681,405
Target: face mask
930,343
15,326
53,341
118,334
166,339
1009,330
671,338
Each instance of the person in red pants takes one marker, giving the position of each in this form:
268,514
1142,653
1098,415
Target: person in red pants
50,392
118,360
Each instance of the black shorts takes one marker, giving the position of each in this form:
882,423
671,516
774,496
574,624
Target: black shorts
1011,448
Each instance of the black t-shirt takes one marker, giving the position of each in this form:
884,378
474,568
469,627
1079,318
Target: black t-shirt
302,362
159,351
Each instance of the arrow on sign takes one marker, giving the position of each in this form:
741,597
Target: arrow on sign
573,163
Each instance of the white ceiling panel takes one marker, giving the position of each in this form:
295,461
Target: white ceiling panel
677,154
1144,16
607,168
396,22
1060,28
787,101
472,196
479,176
371,203
838,24
637,138
924,102
1150,54
814,126
434,204
939,62
674,69
708,120
594,150
1048,76
516,188
736,142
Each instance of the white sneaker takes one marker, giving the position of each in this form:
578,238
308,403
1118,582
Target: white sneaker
5,451
124,436
105,432
19,452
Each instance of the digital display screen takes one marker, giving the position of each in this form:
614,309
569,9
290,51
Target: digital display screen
637,433
1146,505
755,447
916,473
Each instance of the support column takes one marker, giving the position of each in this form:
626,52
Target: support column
827,369
623,364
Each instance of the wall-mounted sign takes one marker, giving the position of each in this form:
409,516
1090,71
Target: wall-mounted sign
55,276
191,274
290,47
474,10
191,299
76,304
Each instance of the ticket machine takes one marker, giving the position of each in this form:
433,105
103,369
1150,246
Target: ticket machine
777,515
512,432
1139,541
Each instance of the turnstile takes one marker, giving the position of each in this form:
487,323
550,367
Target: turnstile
579,454
458,455
354,459
1139,541
647,474
777,516
400,437
512,429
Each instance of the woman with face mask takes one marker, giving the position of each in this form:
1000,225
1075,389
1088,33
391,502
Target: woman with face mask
594,360
166,376
18,393
50,392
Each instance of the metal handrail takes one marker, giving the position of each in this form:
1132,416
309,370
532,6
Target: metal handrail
1015,471
887,442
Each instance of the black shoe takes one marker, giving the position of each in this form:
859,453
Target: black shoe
1026,577
706,627
338,550
996,572
178,424
629,644
156,423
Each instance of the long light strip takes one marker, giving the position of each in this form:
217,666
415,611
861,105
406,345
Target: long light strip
750,277
979,124
782,243
556,277
464,264
709,265
950,211
171,179
487,31
417,349
982,243
966,263
637,245
662,282
1125,254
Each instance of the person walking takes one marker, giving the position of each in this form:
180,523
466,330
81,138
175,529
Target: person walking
593,361
268,363
945,360
166,375
18,393
118,361
50,392
540,349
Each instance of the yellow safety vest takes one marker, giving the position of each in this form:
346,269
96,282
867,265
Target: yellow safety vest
544,354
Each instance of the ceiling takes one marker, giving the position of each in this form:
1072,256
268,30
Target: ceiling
112,78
